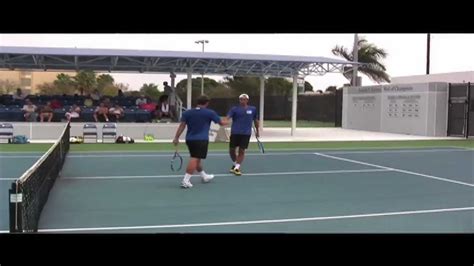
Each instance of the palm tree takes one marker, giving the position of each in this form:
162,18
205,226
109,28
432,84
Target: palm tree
86,81
368,54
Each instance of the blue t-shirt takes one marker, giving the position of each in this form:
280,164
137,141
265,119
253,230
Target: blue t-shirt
198,121
242,119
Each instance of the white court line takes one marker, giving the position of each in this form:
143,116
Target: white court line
286,149
169,153
20,156
396,170
184,152
323,218
224,175
7,179
22,152
397,151
254,154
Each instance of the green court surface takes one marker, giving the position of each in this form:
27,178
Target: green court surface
360,187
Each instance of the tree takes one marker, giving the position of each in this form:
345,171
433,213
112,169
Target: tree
123,87
331,89
278,86
63,84
251,86
151,91
48,88
308,86
109,90
370,55
239,85
104,81
86,81
7,86
212,88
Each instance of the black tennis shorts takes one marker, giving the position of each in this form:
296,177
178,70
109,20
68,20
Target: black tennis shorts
198,148
238,140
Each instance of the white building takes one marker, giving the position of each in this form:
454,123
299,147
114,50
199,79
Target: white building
453,77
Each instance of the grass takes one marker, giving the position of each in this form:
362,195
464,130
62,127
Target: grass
268,146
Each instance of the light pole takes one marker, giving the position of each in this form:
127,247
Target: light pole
428,48
356,58
203,42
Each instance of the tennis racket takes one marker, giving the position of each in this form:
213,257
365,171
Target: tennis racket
176,161
259,143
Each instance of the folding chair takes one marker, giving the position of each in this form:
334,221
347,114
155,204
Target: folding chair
6,131
109,131
89,131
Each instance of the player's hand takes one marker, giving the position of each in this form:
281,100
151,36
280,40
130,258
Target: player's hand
257,134
175,141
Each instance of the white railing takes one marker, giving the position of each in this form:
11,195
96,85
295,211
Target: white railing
179,107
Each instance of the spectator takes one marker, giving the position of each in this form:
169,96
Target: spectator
164,109
46,112
141,100
120,94
116,112
107,102
95,96
171,96
74,112
88,102
19,95
100,114
29,110
56,104
168,90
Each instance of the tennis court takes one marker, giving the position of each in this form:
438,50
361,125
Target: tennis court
293,190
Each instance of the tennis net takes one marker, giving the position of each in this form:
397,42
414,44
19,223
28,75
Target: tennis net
29,193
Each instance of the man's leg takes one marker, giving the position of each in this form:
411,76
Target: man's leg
232,154
50,117
192,165
204,176
243,145
240,159
199,166
233,157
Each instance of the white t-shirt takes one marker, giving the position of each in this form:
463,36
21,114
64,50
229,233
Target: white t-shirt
165,108
95,96
29,108
140,101
115,111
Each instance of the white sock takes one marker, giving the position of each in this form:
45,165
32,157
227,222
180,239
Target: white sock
187,177
202,173
237,165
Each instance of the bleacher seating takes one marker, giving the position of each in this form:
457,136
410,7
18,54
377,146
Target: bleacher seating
10,109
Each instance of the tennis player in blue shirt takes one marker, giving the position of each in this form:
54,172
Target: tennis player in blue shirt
198,121
241,130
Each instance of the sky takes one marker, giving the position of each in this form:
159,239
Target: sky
406,52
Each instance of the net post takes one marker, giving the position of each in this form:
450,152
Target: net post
15,209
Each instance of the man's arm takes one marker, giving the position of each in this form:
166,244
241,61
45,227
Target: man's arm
230,114
180,130
224,121
257,128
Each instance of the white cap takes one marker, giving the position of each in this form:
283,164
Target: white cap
244,96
